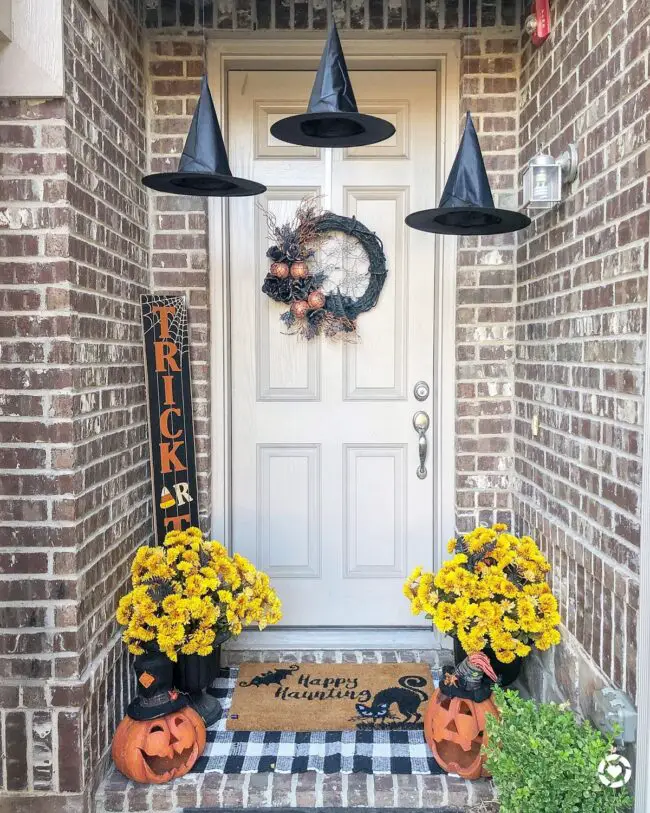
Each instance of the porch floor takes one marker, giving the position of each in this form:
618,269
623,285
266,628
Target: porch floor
305,790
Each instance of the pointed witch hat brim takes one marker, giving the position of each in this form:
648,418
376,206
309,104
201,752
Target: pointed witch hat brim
332,118
466,206
156,696
203,169
160,705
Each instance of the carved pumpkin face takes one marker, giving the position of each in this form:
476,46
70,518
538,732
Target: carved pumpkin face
455,731
157,751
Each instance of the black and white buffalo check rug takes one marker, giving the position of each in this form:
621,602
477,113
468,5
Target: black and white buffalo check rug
365,751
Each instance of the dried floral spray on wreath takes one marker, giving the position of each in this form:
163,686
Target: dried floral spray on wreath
326,267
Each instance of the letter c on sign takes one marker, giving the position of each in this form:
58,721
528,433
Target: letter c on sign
165,431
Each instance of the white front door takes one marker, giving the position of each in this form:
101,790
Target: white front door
325,495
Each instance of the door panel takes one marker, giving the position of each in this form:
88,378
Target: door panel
324,454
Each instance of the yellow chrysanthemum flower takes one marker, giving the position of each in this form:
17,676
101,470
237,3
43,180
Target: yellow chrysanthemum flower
500,597
186,590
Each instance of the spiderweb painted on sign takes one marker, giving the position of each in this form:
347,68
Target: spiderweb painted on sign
177,322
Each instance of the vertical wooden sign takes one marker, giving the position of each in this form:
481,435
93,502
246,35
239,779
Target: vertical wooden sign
171,430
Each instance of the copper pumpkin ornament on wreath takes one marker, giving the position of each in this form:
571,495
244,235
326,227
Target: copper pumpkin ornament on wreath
327,268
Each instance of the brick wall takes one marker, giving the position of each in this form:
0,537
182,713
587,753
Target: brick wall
73,458
580,337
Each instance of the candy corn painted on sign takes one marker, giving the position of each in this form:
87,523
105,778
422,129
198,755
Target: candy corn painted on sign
173,464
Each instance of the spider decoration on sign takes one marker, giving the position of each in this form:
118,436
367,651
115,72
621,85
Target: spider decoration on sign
327,268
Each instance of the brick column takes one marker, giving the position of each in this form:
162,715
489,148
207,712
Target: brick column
73,454
485,293
179,224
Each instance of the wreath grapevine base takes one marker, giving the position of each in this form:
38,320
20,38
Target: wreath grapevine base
299,279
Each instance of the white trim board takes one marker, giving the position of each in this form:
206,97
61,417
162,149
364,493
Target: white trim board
642,774
31,57
406,52
347,638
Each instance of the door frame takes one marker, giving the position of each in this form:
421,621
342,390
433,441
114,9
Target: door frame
235,51
642,766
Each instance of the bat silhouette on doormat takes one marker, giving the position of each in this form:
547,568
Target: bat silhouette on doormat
407,697
270,677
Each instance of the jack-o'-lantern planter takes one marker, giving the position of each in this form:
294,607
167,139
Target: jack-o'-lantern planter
159,750
454,724
161,737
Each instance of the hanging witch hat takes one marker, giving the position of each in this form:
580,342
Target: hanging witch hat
156,696
332,118
466,205
203,169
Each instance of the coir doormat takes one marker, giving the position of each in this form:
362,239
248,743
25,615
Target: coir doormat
330,697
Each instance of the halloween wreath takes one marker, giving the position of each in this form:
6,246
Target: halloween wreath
327,268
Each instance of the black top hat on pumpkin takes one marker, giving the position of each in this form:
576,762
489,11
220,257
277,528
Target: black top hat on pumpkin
156,696
332,118
466,205
203,169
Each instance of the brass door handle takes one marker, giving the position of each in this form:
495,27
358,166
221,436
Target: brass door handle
421,424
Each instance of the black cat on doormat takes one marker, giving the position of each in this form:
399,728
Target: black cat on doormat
407,697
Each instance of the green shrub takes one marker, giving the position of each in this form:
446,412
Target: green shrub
543,760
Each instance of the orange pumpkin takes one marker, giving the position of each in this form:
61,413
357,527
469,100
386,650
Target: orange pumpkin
316,300
455,731
280,270
299,270
299,308
159,750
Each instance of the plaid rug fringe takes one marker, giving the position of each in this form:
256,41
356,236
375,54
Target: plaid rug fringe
363,751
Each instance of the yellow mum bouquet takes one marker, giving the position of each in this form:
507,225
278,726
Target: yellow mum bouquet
491,595
189,591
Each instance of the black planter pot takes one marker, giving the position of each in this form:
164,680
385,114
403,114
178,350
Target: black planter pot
193,674
508,672
154,680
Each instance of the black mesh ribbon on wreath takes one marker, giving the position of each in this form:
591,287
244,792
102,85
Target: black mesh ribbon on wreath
289,290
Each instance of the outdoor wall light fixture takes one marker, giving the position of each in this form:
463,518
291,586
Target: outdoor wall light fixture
544,177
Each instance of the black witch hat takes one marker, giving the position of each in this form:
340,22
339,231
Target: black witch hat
203,169
466,205
156,696
332,118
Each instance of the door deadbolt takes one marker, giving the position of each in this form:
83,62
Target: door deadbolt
421,391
